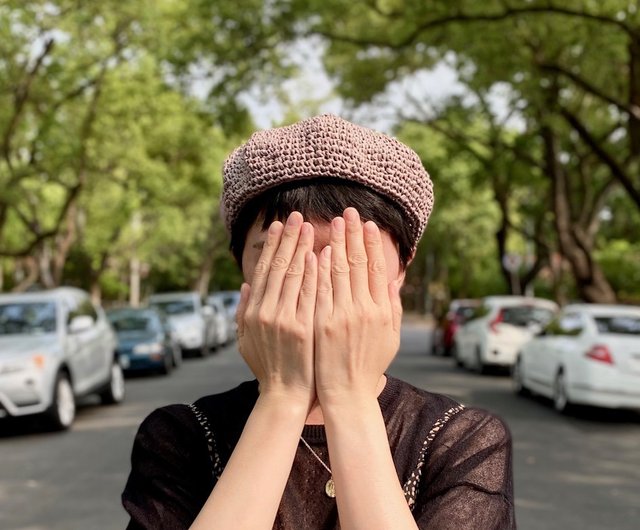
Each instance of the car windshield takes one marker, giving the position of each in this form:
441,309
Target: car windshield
523,316
27,318
622,325
124,323
175,307
464,313
231,300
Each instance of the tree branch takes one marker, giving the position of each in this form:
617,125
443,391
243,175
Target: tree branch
21,95
633,110
507,13
616,170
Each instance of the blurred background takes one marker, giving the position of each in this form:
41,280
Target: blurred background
116,117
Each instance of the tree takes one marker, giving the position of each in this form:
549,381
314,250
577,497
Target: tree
568,72
99,124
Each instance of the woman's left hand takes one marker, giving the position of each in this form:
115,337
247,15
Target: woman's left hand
358,313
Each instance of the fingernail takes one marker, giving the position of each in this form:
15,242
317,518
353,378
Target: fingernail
338,224
351,215
275,227
310,257
326,252
371,228
294,219
306,229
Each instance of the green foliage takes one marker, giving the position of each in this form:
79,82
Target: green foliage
566,67
103,146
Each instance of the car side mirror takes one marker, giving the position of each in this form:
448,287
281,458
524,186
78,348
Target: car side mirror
80,323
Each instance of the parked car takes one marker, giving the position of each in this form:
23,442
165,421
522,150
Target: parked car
145,340
443,335
190,318
222,323
231,299
498,328
589,355
55,346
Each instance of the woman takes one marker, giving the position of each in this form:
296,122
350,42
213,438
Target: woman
324,217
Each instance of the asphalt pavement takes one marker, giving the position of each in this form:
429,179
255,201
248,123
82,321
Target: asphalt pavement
571,473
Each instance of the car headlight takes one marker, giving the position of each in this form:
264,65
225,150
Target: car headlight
20,365
148,348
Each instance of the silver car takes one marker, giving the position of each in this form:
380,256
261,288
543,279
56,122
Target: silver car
55,346
190,318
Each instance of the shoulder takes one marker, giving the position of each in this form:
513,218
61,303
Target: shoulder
420,405
240,397
178,422
480,426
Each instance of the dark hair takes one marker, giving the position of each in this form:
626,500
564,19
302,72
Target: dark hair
322,199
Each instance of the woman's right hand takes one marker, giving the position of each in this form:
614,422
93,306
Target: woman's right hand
276,312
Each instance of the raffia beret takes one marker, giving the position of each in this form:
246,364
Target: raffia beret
328,146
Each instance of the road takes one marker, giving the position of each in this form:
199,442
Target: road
570,473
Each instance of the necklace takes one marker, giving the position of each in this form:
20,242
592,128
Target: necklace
329,487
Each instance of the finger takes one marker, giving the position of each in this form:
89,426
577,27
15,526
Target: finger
324,295
242,307
396,304
377,266
295,273
263,266
307,299
339,264
356,255
282,259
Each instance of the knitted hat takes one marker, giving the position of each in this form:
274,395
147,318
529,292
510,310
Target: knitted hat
328,146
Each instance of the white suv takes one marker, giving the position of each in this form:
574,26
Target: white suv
498,328
54,347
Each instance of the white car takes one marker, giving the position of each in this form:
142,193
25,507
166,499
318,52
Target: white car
499,327
55,346
589,355
190,318
220,319
231,299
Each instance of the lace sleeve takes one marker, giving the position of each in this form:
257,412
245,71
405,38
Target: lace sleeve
170,479
467,481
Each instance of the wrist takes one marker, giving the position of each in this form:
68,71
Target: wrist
348,405
292,403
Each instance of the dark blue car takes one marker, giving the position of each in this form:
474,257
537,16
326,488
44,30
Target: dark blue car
145,341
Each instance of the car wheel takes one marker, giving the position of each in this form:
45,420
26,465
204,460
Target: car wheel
204,350
168,363
518,379
480,366
456,357
176,356
560,398
62,411
114,393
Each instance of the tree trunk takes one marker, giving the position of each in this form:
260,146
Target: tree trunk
590,281
31,276
215,236
134,282
63,243
96,292
634,96
44,262
501,199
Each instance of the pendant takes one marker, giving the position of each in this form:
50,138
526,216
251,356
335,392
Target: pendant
330,488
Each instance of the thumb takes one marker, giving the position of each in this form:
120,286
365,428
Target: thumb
396,304
245,289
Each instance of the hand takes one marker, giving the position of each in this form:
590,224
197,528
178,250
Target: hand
358,313
275,313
